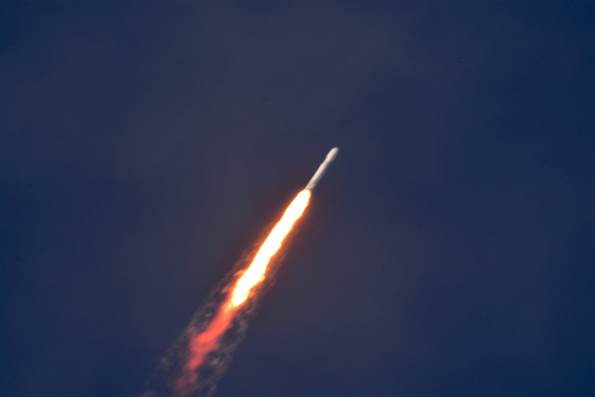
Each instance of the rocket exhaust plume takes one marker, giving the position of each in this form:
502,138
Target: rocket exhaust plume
197,361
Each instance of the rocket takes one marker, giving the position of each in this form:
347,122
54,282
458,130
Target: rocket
331,155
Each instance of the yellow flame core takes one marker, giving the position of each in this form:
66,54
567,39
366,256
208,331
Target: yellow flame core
256,271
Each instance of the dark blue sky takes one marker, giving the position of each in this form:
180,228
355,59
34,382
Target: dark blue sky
448,252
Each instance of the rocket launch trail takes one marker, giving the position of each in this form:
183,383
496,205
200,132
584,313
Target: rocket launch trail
199,358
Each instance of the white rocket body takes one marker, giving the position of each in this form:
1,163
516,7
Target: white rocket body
332,154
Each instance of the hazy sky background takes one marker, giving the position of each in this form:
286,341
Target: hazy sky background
448,252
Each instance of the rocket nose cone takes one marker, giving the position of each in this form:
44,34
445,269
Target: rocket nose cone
332,154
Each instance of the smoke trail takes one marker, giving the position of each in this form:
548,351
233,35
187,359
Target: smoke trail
197,361
172,377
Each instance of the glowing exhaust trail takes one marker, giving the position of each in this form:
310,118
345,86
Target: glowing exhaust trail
257,269
203,340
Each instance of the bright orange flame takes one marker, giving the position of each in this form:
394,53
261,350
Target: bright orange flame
207,341
256,271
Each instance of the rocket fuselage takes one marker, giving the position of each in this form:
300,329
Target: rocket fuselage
332,154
